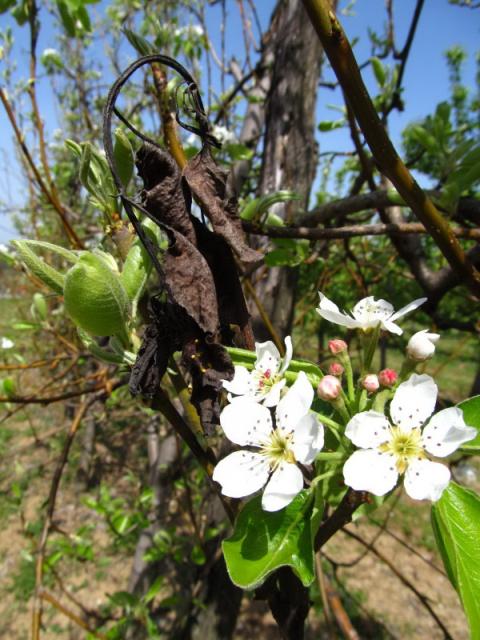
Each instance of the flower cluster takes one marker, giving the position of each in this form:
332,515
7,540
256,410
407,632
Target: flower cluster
383,420
279,433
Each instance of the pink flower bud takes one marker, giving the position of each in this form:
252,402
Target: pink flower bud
370,383
337,346
329,388
387,377
336,369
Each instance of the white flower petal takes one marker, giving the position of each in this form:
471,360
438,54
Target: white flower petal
308,438
241,473
246,422
370,470
369,312
411,306
273,396
268,357
426,480
413,402
446,431
390,326
282,487
329,311
240,384
295,404
288,354
368,429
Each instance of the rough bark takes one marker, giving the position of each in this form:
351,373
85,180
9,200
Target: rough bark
289,154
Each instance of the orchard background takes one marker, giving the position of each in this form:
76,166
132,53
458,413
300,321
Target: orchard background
111,527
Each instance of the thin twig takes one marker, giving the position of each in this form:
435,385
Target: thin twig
352,231
421,597
71,234
45,595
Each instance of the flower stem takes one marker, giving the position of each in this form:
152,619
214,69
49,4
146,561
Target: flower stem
322,476
347,364
369,349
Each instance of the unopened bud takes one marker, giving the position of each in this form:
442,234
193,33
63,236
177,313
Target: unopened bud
337,346
335,369
370,383
421,345
387,377
329,388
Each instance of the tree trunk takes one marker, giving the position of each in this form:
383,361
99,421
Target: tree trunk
289,154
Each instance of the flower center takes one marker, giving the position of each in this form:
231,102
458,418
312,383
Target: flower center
277,448
266,380
404,446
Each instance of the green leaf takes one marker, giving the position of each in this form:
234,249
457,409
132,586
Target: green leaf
21,13
40,305
123,154
471,415
263,541
456,524
8,386
258,206
67,19
330,125
154,590
47,274
143,46
5,5
379,71
82,15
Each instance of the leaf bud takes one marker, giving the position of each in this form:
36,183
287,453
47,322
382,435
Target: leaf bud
95,298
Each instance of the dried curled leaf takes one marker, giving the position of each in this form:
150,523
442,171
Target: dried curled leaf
165,195
208,183
190,283
209,364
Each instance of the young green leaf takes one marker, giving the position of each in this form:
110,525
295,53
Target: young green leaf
471,415
456,524
123,154
263,541
47,274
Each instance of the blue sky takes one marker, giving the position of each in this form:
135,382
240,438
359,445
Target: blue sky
426,78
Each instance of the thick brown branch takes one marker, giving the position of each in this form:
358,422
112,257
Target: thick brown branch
341,57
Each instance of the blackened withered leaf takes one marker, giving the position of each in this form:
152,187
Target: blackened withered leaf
190,283
208,183
209,364
169,328
165,195
232,308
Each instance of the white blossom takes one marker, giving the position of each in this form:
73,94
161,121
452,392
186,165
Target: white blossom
224,135
367,314
6,343
389,448
296,436
266,381
421,345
